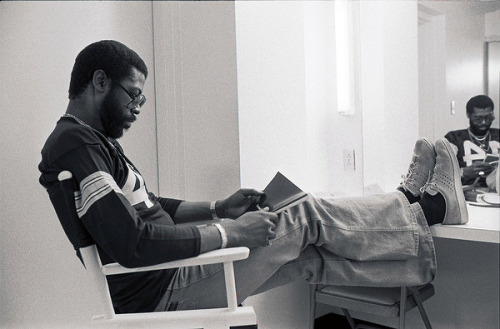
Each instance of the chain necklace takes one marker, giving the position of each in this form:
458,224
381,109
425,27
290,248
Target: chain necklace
80,121
482,142
120,152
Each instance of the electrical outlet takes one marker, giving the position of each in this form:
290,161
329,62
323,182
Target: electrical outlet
349,160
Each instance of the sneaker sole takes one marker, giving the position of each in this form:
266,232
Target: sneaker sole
457,183
431,146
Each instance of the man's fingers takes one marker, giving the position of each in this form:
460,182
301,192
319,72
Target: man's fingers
273,218
272,235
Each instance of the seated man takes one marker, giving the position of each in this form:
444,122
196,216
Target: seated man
381,240
472,145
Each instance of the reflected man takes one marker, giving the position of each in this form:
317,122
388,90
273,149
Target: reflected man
472,145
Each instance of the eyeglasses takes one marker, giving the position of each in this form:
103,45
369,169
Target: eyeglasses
480,118
137,100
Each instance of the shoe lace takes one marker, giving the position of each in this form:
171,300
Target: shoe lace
411,171
429,183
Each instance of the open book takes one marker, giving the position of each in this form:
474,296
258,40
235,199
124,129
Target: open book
281,193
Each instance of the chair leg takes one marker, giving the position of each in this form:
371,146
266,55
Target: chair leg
349,318
312,305
402,308
423,314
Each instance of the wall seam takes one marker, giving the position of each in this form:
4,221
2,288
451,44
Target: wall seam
156,105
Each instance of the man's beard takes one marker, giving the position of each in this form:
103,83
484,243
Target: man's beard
480,130
115,119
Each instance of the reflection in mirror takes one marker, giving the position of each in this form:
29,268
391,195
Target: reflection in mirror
444,48
492,68
451,52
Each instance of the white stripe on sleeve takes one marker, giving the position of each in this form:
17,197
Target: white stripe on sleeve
93,188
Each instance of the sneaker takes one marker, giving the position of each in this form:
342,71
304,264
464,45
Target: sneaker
421,167
446,180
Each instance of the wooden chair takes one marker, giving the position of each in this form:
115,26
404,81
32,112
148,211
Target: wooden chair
385,302
218,318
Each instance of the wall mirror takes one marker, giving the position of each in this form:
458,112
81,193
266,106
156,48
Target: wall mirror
453,54
492,68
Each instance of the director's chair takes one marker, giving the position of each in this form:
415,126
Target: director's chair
232,316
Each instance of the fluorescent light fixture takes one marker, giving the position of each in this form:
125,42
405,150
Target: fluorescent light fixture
345,39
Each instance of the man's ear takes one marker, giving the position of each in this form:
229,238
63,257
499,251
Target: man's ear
99,80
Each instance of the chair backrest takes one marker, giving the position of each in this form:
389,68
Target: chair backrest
100,287
62,196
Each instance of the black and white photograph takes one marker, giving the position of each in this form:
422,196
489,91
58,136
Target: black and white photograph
239,164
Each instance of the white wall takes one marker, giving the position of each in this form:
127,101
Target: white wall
432,71
271,90
328,132
41,279
389,89
286,88
492,34
195,55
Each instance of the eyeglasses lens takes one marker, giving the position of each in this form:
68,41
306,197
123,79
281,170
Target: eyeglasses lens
138,101
487,118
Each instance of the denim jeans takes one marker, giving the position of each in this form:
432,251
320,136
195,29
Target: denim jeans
380,240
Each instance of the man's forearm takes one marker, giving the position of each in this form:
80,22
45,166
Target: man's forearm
188,212
191,212
210,238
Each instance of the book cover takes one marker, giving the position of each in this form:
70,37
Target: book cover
491,158
281,193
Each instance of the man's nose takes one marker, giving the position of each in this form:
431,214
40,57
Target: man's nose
136,110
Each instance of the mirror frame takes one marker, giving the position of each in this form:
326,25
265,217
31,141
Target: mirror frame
486,58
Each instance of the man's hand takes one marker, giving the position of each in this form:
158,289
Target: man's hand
475,170
238,203
253,229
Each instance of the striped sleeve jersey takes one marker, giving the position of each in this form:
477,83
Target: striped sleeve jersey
129,225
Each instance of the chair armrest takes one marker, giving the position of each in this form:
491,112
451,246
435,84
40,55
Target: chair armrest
211,257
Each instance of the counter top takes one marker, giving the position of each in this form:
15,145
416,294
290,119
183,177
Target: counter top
483,226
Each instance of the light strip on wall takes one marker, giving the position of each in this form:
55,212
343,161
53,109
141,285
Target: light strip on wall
344,40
